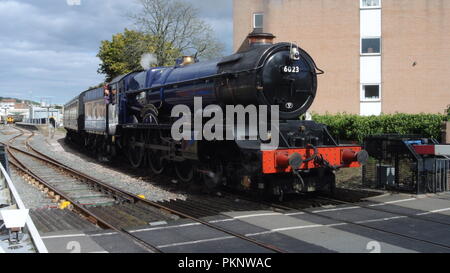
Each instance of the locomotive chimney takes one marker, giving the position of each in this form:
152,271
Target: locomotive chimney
260,38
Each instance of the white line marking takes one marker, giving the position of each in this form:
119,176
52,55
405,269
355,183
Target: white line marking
64,236
246,216
336,209
197,242
211,222
381,219
392,202
273,214
295,213
433,211
161,228
293,228
78,235
103,234
222,221
249,235
160,223
258,215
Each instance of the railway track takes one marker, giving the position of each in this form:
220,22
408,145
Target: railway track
62,186
129,210
111,207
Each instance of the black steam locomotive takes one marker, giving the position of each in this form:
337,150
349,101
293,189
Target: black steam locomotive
132,115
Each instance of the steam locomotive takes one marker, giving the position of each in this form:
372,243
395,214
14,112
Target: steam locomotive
132,115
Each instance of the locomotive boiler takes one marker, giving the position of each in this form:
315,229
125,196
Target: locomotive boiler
132,115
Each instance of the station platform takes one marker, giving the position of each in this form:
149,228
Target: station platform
42,128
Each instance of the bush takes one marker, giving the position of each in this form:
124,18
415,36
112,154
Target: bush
356,128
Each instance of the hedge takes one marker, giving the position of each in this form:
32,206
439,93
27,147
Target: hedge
355,127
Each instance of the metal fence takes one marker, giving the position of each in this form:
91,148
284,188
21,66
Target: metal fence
439,177
394,165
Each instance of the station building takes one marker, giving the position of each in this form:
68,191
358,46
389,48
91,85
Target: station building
13,107
379,56
37,113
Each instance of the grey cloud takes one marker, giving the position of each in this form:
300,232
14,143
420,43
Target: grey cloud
49,48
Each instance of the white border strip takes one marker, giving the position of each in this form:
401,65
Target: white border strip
392,202
434,211
37,240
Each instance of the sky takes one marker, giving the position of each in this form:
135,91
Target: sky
48,48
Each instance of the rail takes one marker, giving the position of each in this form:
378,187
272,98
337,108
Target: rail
121,195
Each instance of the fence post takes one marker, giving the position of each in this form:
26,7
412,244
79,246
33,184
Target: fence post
447,132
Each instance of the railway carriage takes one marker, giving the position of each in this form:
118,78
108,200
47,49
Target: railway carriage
132,114
73,118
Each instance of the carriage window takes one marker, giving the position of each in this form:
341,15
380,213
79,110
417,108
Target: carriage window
258,20
370,3
370,46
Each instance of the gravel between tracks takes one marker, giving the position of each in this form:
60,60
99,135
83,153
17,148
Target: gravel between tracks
56,148
31,196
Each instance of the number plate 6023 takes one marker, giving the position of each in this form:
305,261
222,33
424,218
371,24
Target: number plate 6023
290,69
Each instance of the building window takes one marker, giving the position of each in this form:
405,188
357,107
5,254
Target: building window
370,46
370,3
258,20
370,92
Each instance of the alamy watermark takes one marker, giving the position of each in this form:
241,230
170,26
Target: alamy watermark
237,123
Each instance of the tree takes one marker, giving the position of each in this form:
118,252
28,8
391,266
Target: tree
175,24
123,53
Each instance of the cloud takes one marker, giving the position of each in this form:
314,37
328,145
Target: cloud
48,48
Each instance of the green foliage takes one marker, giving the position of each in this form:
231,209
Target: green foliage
448,113
123,53
355,127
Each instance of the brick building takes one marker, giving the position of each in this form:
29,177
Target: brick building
380,56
